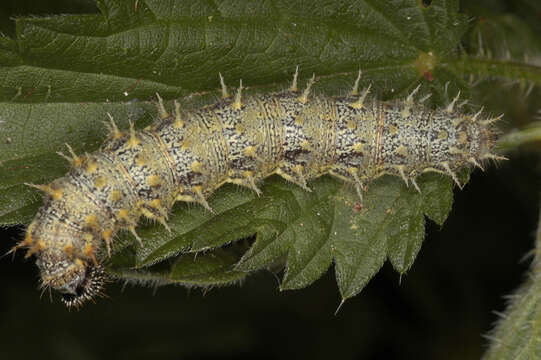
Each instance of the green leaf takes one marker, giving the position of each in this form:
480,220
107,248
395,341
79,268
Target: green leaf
199,270
62,74
310,229
391,225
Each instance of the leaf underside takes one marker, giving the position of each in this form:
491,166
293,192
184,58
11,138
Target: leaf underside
63,74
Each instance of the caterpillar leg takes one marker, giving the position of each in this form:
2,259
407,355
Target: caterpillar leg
247,179
155,210
201,199
293,173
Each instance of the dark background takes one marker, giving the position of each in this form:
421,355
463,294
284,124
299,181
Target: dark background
440,310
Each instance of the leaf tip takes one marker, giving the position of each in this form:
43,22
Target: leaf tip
340,306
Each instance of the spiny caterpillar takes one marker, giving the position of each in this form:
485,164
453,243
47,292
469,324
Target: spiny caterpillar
187,155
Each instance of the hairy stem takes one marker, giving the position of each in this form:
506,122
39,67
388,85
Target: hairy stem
507,69
518,333
517,138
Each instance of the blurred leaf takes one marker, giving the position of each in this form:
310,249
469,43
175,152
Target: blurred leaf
501,45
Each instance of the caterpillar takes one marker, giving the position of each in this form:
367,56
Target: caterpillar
187,155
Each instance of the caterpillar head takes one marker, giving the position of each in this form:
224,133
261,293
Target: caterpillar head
62,267
76,280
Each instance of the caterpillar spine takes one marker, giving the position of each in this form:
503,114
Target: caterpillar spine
187,155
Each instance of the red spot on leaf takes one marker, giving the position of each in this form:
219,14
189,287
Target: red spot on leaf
428,75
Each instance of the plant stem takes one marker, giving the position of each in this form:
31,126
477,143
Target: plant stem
518,333
516,138
507,69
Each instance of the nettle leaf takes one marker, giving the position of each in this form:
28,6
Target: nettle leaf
199,269
307,229
63,74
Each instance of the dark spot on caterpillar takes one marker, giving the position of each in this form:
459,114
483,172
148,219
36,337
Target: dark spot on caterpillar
163,124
